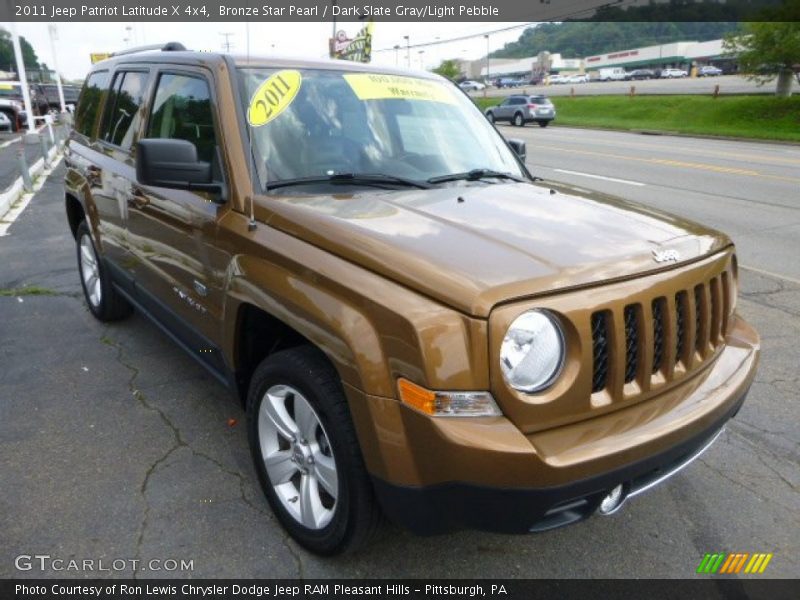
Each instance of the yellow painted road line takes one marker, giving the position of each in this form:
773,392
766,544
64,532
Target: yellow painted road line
678,163
709,154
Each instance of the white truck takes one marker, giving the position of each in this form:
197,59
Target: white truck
611,74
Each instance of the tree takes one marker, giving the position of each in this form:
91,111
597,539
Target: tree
7,60
449,68
767,50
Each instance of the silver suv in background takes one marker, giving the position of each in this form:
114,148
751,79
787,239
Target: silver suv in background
520,109
671,73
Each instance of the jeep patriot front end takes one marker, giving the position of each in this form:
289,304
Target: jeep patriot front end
417,327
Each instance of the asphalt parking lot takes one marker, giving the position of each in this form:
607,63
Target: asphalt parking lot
116,445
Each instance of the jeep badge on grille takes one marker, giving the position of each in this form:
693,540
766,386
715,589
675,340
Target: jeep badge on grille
666,256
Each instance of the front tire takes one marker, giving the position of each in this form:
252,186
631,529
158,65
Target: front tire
519,121
104,302
307,455
490,117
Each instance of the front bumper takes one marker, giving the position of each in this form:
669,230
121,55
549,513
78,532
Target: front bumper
435,475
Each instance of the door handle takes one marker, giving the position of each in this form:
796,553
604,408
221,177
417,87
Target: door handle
93,174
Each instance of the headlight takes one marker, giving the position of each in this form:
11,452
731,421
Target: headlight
532,352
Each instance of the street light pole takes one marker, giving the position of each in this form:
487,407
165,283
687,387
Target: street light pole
23,78
333,16
408,51
421,52
397,55
53,38
487,64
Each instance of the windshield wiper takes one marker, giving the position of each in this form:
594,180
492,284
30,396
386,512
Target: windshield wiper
474,175
373,179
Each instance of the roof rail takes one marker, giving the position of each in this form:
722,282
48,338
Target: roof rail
168,47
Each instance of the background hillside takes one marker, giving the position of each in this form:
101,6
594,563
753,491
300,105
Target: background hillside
575,39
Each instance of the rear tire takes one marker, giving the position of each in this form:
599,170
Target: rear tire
519,121
103,300
300,429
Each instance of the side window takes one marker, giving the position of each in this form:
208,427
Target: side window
505,102
518,101
121,120
89,102
182,110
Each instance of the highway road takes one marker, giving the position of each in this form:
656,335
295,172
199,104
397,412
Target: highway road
728,84
749,190
115,444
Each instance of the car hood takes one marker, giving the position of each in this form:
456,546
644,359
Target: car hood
473,246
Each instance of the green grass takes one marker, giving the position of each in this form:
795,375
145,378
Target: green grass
28,290
757,117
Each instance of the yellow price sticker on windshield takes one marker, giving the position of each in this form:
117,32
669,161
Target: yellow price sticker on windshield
375,86
273,97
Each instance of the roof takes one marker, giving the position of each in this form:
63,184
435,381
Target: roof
213,58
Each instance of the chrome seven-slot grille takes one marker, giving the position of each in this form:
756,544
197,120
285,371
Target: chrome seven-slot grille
679,344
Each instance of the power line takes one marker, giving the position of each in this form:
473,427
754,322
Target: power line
227,43
460,38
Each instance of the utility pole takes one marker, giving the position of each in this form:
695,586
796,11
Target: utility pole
227,43
23,78
53,38
396,55
487,64
408,51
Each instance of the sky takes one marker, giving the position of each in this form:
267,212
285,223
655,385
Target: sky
76,41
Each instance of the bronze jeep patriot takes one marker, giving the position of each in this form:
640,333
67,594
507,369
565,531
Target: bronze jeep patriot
417,327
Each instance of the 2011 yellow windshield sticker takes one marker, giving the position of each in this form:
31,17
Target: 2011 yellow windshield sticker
273,97
374,86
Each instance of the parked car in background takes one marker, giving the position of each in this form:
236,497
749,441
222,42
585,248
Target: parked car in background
49,91
581,78
471,86
5,122
557,79
506,82
521,109
639,74
709,71
14,111
11,90
611,74
673,73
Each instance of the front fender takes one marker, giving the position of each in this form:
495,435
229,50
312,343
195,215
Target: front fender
372,329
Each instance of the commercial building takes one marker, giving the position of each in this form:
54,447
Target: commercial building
676,54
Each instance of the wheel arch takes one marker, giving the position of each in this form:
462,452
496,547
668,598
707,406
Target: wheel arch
371,329
75,212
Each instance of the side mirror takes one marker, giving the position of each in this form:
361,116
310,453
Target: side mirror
173,164
518,146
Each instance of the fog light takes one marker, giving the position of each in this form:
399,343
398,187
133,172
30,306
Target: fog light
612,501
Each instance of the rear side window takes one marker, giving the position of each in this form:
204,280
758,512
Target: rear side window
121,120
89,103
182,110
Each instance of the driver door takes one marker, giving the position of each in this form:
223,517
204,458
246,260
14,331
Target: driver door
172,233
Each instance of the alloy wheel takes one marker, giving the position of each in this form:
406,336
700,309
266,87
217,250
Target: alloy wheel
298,457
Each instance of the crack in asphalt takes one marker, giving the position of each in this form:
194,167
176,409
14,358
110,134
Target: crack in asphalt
287,542
179,442
760,496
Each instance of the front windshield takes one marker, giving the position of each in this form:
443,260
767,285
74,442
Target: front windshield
317,123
